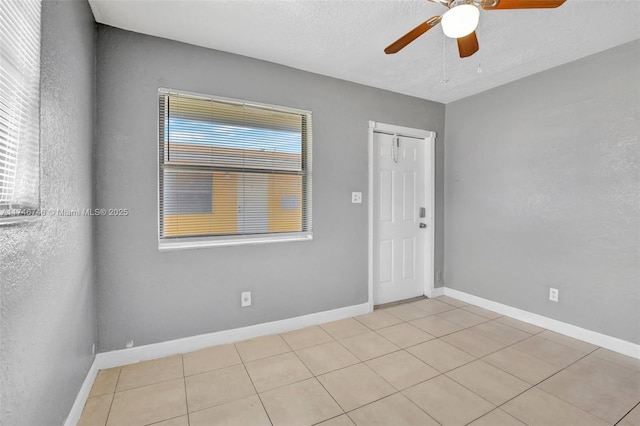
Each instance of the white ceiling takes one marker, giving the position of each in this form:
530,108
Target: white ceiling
346,38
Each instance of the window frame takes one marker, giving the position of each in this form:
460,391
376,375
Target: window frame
194,242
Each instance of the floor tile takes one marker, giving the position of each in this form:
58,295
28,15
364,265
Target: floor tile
441,355
548,351
463,318
497,417
448,402
404,335
436,326
492,384
310,336
402,369
473,342
631,419
617,358
302,403
355,386
501,333
568,341
325,358
96,410
392,375
406,312
342,420
176,421
273,372
520,325
148,404
451,301
105,382
538,408
150,372
369,345
392,410
378,319
599,387
481,311
262,347
245,411
210,359
344,328
218,387
526,367
432,306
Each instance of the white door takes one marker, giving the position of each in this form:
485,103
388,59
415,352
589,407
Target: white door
399,208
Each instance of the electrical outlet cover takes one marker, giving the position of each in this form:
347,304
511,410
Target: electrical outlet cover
245,299
553,294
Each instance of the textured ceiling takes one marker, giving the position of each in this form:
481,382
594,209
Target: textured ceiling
346,38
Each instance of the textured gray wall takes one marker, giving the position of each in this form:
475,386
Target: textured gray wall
151,296
46,270
542,189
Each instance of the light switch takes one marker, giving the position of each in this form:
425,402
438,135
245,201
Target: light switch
356,197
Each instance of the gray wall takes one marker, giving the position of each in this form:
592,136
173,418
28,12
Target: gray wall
46,271
542,189
150,296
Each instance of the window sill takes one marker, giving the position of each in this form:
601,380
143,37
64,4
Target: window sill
17,220
194,243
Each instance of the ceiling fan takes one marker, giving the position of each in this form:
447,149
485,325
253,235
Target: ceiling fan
461,20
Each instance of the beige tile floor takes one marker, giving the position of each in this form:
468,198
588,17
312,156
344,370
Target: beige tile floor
426,362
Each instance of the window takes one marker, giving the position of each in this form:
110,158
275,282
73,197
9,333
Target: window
19,108
231,172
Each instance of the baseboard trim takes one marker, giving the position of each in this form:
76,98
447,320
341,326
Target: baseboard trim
612,343
436,292
81,398
189,344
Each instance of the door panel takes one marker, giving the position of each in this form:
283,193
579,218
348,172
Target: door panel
398,194
386,261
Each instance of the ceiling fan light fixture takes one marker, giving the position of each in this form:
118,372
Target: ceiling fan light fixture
460,21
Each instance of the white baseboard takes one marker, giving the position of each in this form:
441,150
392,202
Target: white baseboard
598,339
436,292
81,398
189,344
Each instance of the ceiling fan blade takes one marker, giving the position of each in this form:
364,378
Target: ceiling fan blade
403,41
522,4
468,45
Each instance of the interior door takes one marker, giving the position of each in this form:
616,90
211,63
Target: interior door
399,209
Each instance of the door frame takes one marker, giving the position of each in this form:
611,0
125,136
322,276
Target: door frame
429,138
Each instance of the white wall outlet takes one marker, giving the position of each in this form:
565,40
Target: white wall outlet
356,197
553,294
245,299
129,344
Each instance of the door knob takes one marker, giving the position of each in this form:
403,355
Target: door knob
423,225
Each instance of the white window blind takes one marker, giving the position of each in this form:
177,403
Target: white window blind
19,106
231,170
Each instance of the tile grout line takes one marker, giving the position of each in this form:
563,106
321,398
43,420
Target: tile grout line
627,413
114,395
184,382
253,384
542,390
